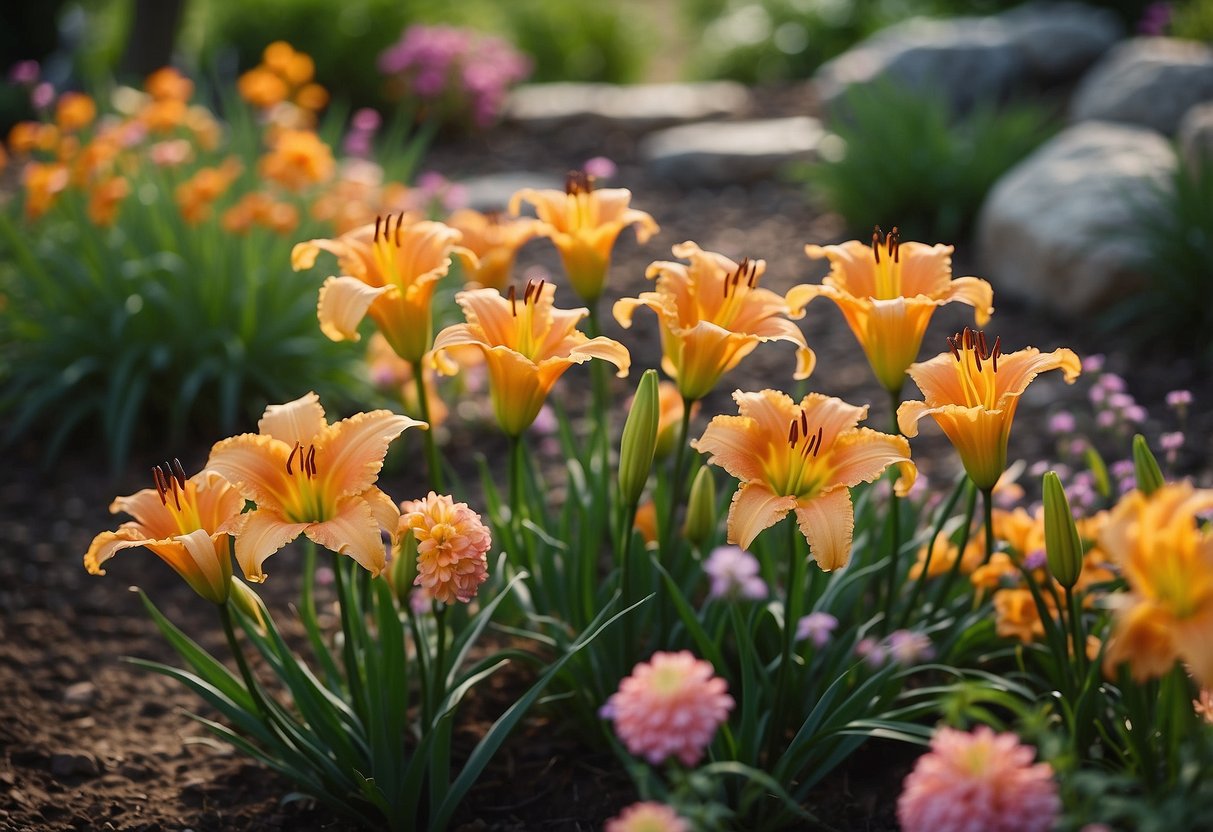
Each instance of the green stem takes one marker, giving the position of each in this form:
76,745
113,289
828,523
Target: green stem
987,499
229,630
432,458
894,525
625,583
440,673
937,529
791,617
1076,636
517,486
676,484
345,601
966,531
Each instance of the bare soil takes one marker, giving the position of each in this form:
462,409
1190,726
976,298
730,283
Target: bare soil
90,742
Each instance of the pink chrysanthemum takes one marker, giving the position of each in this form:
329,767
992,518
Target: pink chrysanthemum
670,706
647,817
978,782
451,546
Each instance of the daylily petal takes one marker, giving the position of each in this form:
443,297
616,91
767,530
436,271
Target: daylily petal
207,564
108,544
608,350
976,293
863,455
259,534
833,416
1016,370
386,512
154,519
925,269
733,443
342,305
295,423
754,508
354,449
827,521
355,532
255,465
771,410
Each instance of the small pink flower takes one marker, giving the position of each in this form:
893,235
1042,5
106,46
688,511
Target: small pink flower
816,627
451,547
909,648
1061,423
1179,399
647,817
871,651
600,167
1093,363
978,781
734,574
670,706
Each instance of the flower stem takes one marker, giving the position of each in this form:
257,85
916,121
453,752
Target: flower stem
625,582
433,460
940,520
439,667
345,601
225,614
677,481
966,532
987,500
791,617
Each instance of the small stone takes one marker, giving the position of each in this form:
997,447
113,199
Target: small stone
80,693
152,708
724,153
634,107
493,192
81,764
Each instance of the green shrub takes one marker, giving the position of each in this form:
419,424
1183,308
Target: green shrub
908,161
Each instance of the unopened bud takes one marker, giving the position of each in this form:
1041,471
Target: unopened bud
701,509
1099,470
1063,548
1145,467
249,603
639,440
402,569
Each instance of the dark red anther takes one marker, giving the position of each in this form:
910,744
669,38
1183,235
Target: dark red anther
793,433
876,239
311,461
161,488
512,295
378,223
179,472
997,351
817,446
804,423
297,449
952,342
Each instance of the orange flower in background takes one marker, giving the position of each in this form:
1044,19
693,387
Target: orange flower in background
262,87
670,409
888,299
105,198
43,184
23,137
207,130
495,240
74,111
1017,616
196,194
528,344
294,67
390,271
352,199
943,558
180,521
312,478
1166,557
972,393
801,458
584,223
297,159
167,83
163,115
283,72
712,314
256,208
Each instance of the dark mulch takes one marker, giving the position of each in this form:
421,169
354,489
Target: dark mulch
88,742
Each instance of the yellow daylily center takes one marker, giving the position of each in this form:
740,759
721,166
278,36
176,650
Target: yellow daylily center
736,287
798,471
888,268
976,367
308,500
527,341
579,186
385,248
172,486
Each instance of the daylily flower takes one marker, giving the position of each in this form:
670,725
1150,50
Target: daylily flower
712,314
888,298
1167,560
801,458
309,477
527,345
584,224
972,392
495,240
390,271
180,521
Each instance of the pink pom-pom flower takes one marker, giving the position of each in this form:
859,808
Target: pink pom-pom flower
978,782
451,546
670,706
647,817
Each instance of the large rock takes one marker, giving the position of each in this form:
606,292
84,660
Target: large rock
976,59
492,192
635,107
1196,136
1151,82
1057,229
723,153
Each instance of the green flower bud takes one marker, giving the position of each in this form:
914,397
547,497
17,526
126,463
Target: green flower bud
701,509
243,598
1099,470
403,567
1145,467
639,439
1063,548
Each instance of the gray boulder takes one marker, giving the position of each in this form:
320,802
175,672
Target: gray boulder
492,192
1151,82
723,153
1057,229
634,107
1196,136
1060,41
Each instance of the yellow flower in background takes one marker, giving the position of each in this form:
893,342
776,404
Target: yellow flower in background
887,292
297,159
712,314
105,198
390,270
495,240
74,111
803,458
181,522
584,223
312,478
527,343
972,392
1166,558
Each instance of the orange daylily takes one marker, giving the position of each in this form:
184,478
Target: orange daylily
181,521
527,345
972,392
712,314
801,458
43,183
495,241
297,159
390,271
309,477
584,223
74,111
105,198
888,299
167,83
1167,561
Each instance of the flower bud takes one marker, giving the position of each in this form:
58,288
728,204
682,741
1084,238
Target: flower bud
1063,548
701,509
1099,470
1145,467
639,440
249,603
403,567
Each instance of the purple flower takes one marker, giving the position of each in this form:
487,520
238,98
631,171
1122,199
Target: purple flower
1155,19
1093,363
1062,422
734,574
1035,559
366,120
816,627
1112,383
1172,441
42,96
1178,400
907,647
24,73
871,651
600,167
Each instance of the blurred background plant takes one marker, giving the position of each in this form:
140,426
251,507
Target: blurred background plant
906,158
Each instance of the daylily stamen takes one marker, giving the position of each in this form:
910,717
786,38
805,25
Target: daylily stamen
578,182
513,297
179,472
166,481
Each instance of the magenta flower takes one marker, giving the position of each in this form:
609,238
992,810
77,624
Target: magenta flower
817,628
978,781
734,574
670,706
647,817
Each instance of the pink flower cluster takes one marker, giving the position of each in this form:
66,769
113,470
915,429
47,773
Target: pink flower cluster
455,68
978,782
670,706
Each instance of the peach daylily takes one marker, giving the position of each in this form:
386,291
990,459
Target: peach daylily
527,345
1167,561
801,458
181,522
972,392
888,299
584,223
312,478
495,241
390,271
712,314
